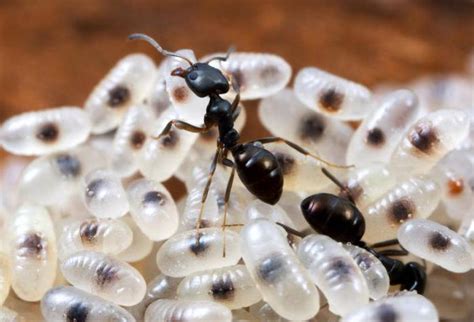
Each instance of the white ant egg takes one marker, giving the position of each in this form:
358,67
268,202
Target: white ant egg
416,197
403,308
436,243
377,136
104,195
332,95
33,252
188,106
231,286
125,85
109,236
335,273
282,280
373,270
284,115
153,209
429,140
141,245
193,251
184,310
104,276
256,75
69,304
161,287
46,131
5,277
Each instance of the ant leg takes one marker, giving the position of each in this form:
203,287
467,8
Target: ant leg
235,105
228,189
344,189
182,126
212,170
276,139
291,230
390,242
393,252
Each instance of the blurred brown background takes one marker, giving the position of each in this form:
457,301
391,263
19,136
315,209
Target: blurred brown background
52,53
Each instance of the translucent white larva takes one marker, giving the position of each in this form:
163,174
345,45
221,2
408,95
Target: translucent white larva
257,75
429,140
5,277
104,195
69,304
161,287
109,236
282,280
159,159
377,136
141,245
413,198
33,252
263,312
158,100
231,286
61,173
7,315
332,95
131,135
259,209
403,308
104,276
46,131
188,106
125,85
193,251
284,115
187,311
153,209
335,273
436,243
466,230
373,270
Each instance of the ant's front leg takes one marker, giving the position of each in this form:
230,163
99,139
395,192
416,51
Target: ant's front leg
182,126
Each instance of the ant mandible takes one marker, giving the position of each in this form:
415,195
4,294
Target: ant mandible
257,168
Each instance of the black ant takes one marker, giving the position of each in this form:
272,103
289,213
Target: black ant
339,218
257,167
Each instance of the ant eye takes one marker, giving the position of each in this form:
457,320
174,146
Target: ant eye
193,76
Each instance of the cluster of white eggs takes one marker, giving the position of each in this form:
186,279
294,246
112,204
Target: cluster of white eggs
92,201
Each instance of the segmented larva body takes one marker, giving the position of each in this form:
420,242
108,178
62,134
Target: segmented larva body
7,315
282,280
231,286
466,230
187,311
409,199
159,159
456,194
33,252
127,84
193,251
141,245
403,308
46,131
153,209
332,95
158,100
284,115
69,304
161,287
256,75
104,195
104,276
5,277
436,243
189,107
109,236
132,133
377,136
258,209
373,270
61,173
264,312
335,273
429,140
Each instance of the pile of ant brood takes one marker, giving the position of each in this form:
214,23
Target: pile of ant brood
83,203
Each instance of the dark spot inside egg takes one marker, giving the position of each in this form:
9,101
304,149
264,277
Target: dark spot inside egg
223,289
340,267
455,186
198,244
312,127
31,245
77,312
271,269
88,231
118,96
375,137
238,79
180,94
154,198
94,187
105,274
331,100
286,162
386,313
439,241
48,132
137,139
170,140
68,165
269,74
400,211
424,138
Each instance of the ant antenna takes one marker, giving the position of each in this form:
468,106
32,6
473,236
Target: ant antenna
222,58
157,46
338,183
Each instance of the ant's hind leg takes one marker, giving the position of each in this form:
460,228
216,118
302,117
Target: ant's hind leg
228,189
296,147
182,126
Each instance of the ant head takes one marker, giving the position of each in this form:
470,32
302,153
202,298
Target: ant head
201,78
